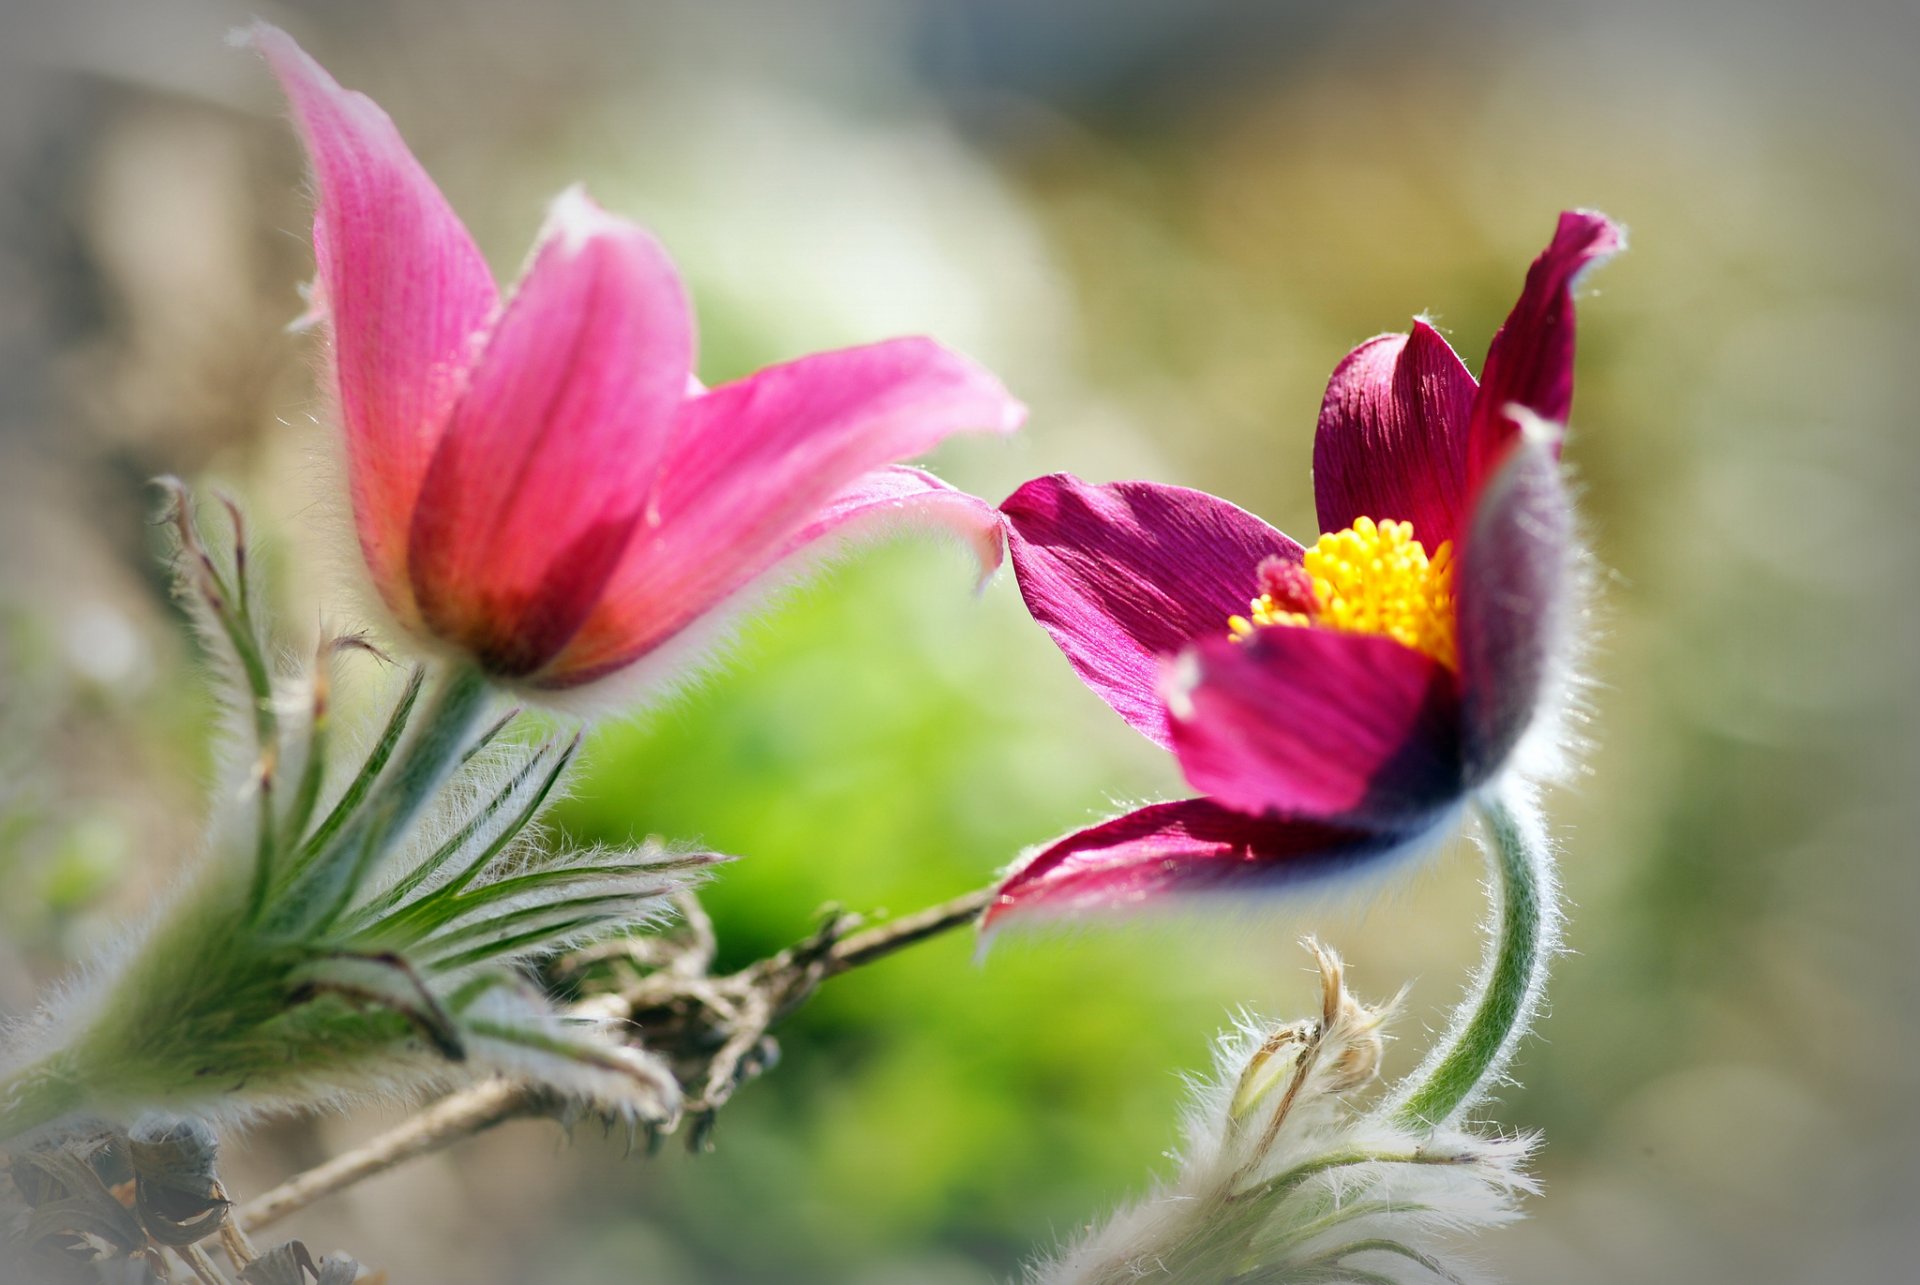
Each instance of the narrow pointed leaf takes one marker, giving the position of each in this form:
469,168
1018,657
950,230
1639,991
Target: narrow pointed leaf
376,762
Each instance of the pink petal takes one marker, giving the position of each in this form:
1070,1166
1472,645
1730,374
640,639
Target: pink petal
1168,849
1513,585
757,465
1393,436
546,465
897,495
408,293
875,506
1126,574
1530,364
1309,723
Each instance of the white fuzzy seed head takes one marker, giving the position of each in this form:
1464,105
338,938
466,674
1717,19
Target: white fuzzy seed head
1284,1178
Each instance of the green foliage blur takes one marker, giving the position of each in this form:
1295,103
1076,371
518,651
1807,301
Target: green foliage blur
1163,230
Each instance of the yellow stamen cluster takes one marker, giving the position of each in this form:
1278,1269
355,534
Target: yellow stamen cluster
1372,578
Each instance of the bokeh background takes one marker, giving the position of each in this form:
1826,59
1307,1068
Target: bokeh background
1163,221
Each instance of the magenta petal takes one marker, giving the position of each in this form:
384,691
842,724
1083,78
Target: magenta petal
1306,722
1530,364
755,465
548,459
1513,582
1185,847
1392,442
1126,574
408,293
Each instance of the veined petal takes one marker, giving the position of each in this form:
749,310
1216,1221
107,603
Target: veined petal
1184,847
544,471
1392,441
1126,574
1311,723
881,502
1514,588
407,291
1530,364
756,465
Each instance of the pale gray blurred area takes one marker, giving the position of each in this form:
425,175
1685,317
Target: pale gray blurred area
1161,220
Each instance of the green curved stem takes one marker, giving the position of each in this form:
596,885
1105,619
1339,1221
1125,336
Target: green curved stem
1496,1014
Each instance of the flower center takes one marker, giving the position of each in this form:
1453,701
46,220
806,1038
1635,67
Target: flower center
1372,578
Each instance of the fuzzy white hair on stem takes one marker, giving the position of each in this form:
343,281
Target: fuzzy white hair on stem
349,929
1283,1178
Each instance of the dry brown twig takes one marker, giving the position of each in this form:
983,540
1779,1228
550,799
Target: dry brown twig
716,1033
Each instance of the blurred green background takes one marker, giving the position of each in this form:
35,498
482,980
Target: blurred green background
1163,221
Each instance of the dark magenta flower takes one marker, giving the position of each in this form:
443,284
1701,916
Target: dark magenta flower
1336,704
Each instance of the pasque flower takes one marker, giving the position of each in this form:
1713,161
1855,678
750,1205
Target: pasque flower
1335,704
539,483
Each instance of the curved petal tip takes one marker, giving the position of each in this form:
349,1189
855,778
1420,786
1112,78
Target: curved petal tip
1530,362
1589,237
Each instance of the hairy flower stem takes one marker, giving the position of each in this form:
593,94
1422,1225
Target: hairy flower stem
438,742
1497,1013
337,870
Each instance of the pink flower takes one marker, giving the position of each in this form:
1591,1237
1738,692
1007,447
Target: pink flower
1334,705
539,483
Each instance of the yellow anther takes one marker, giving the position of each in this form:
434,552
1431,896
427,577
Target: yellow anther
1262,611
1372,578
